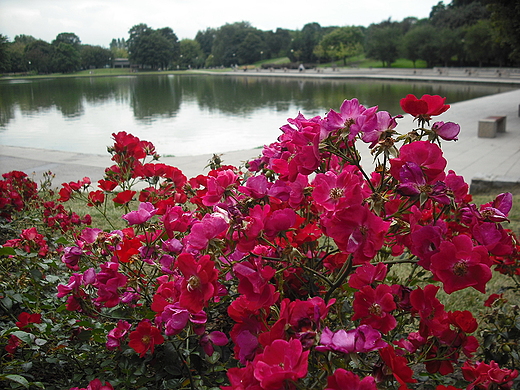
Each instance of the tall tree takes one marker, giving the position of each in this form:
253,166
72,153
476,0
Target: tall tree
304,42
137,33
343,42
119,48
191,55
421,42
65,58
278,42
506,21
153,48
450,44
410,45
227,41
68,38
94,56
205,39
458,14
383,42
252,48
478,42
24,39
39,56
5,61
17,52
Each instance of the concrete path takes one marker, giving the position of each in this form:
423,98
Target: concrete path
493,160
509,76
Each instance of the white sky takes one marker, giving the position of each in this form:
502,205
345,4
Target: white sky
96,22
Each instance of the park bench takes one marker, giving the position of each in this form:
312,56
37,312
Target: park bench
490,126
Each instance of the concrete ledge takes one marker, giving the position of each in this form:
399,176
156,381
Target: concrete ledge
490,126
493,183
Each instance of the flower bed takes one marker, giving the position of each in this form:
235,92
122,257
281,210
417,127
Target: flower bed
271,277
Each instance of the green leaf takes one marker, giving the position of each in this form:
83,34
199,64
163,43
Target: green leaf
18,379
27,366
86,324
52,278
85,335
213,358
7,302
62,240
40,342
24,336
7,250
36,274
17,298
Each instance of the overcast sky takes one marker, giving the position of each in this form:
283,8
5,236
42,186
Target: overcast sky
96,22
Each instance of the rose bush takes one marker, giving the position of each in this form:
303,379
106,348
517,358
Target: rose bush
280,275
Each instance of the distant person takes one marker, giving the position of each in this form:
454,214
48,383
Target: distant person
301,68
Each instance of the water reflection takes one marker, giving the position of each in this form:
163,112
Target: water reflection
155,96
187,114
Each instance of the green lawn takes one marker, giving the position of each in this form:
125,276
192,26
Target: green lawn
358,62
280,60
362,62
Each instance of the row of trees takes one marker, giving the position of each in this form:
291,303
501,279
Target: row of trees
462,33
64,54
465,32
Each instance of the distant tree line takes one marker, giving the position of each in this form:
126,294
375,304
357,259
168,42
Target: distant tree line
462,33
64,54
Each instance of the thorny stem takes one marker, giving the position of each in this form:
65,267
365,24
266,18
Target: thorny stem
403,261
316,273
355,161
181,358
343,273
320,378
436,217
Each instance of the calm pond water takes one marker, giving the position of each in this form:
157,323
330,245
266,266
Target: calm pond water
187,114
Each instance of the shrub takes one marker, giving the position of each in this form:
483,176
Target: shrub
274,277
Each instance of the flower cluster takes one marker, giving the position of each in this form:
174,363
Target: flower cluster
16,191
30,241
488,376
284,269
24,323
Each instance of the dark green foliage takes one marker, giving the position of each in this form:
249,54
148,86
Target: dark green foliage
501,334
68,38
342,43
5,61
383,42
278,42
38,55
506,22
191,55
65,58
205,39
304,42
454,16
229,47
155,49
94,56
461,33
478,42
252,48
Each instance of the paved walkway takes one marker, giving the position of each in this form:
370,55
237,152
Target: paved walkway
509,76
489,159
